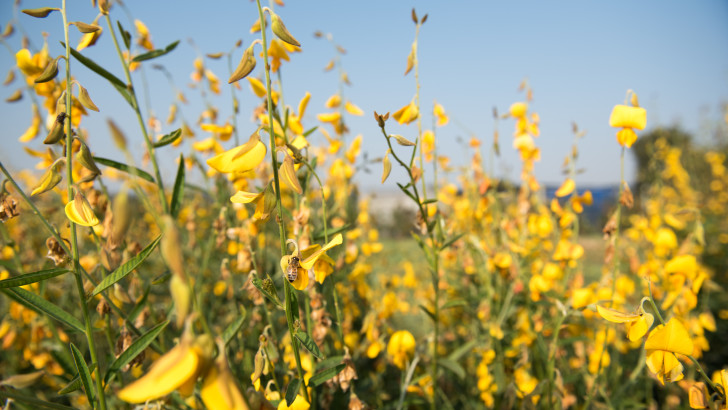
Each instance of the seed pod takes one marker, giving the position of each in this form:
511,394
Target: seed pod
50,72
41,12
279,29
117,135
87,160
85,99
50,179
56,134
402,140
387,166
85,28
246,65
180,290
171,247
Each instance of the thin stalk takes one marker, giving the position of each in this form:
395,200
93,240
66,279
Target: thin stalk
281,227
101,397
140,118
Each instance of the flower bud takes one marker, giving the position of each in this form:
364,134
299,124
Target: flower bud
246,65
279,29
56,134
51,178
50,72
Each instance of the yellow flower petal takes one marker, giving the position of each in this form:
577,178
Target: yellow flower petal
164,376
303,104
240,159
353,109
616,316
242,197
672,337
288,175
333,101
626,137
257,87
624,116
79,211
298,404
309,261
636,330
518,110
566,188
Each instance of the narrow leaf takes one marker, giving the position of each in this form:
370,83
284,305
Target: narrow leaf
451,241
125,35
179,188
40,305
35,403
426,310
454,303
259,285
126,268
429,201
126,168
408,193
32,277
292,391
452,366
309,343
155,53
114,80
233,328
462,350
83,373
134,349
168,138
330,361
326,374
309,131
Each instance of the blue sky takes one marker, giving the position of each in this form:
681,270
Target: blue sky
579,57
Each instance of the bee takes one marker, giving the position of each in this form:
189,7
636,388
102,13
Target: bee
292,270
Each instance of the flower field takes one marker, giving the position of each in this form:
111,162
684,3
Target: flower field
260,277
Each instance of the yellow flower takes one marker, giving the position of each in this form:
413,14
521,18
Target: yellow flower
518,110
219,390
175,370
144,39
353,109
624,116
566,188
407,114
79,211
308,259
298,404
442,118
637,324
400,348
240,159
628,118
662,344
224,132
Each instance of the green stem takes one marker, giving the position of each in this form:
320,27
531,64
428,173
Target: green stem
281,227
74,242
140,118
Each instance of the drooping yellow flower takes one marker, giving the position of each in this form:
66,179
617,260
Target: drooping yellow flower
400,348
628,118
79,211
219,390
662,344
223,132
407,114
175,370
442,118
144,38
240,159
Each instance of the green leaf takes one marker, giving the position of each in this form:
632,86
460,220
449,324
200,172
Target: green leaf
169,138
451,241
126,268
326,374
292,391
155,53
233,328
179,187
33,277
408,193
462,350
75,384
259,285
83,372
426,310
42,306
125,35
452,366
310,345
114,80
126,168
134,349
429,201
32,401
330,361
454,303
310,131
